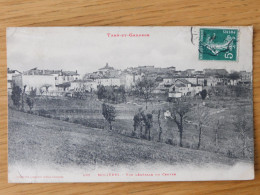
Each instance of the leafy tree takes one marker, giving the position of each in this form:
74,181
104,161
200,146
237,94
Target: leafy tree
203,94
23,94
101,92
159,79
30,102
33,93
178,112
234,76
148,121
16,96
111,93
64,85
121,93
109,113
144,88
31,99
138,122
142,119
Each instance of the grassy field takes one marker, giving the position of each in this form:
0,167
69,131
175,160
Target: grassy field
89,114
34,139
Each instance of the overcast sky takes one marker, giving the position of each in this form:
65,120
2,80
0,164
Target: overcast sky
87,49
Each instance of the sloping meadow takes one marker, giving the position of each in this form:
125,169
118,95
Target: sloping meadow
218,131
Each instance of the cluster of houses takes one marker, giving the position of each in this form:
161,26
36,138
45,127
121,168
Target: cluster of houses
169,81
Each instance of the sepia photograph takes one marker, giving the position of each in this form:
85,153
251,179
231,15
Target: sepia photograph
128,104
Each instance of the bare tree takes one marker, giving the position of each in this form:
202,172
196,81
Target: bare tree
144,88
41,91
159,123
241,123
23,94
202,117
217,127
46,86
179,111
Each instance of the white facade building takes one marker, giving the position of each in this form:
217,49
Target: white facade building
44,84
175,94
108,81
10,74
128,80
84,85
184,87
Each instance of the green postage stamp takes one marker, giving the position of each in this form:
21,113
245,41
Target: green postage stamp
218,44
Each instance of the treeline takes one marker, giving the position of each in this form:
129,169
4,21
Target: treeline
243,91
111,94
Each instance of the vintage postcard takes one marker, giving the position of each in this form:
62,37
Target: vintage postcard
128,104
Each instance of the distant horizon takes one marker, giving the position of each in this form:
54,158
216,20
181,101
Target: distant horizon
126,68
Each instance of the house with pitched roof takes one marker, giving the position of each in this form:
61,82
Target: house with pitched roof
185,88
46,82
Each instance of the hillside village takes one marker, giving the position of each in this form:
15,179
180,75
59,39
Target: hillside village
174,83
195,109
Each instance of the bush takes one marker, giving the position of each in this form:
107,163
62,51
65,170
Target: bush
76,121
111,94
30,102
169,141
109,113
43,112
48,116
133,134
203,94
230,154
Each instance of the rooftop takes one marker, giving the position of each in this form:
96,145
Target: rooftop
183,81
36,71
12,71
